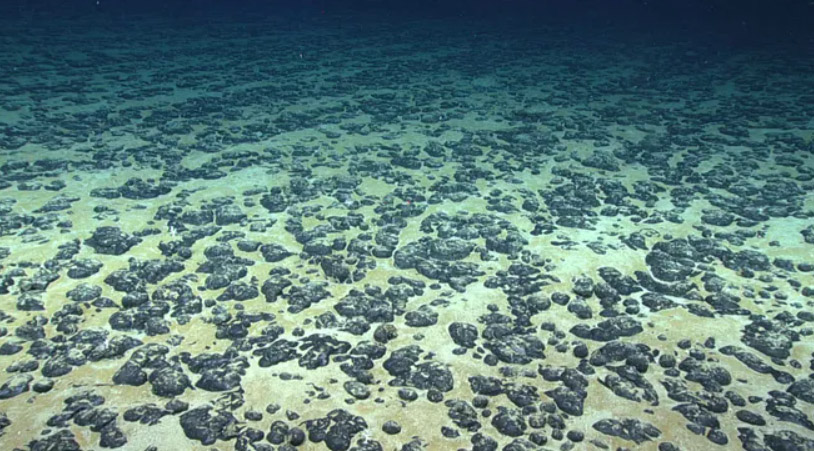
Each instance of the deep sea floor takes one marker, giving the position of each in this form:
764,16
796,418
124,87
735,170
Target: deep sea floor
343,234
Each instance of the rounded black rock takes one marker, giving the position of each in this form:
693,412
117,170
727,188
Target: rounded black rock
357,389
253,415
407,394
575,436
718,437
296,436
434,395
480,401
43,386
385,333
538,438
750,417
580,351
391,427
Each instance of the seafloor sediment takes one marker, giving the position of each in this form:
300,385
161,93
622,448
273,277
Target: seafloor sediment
350,234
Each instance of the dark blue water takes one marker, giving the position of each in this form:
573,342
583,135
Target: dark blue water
434,225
